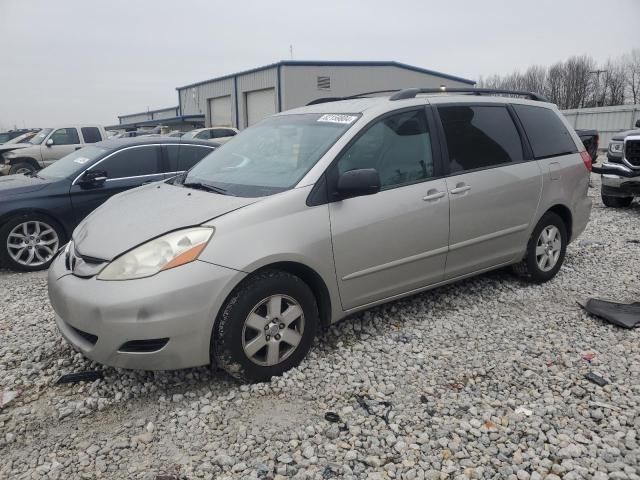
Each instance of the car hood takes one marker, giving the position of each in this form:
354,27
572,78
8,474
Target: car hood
139,215
19,184
13,146
626,133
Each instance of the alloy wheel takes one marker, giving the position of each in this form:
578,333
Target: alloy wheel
273,330
548,248
32,243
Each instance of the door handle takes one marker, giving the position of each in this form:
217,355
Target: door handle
433,195
78,148
460,188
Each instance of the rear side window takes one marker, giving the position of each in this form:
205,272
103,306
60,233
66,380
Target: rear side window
546,132
65,136
183,157
204,135
133,162
222,132
479,137
91,134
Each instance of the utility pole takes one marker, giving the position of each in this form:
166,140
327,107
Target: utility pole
598,72
291,51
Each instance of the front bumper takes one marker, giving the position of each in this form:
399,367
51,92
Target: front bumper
99,317
619,180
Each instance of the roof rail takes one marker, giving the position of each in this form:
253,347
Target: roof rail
412,92
350,97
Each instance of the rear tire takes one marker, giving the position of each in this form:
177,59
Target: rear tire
21,168
545,250
265,327
616,202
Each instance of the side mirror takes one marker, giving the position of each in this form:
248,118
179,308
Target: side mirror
49,142
638,123
357,183
93,178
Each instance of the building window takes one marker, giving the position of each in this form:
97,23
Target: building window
324,83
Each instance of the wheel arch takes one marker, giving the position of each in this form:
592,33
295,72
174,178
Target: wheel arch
30,160
565,214
309,276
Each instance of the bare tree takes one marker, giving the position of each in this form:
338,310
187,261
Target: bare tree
615,83
632,74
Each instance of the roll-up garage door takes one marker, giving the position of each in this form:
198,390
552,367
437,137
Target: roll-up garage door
220,111
260,104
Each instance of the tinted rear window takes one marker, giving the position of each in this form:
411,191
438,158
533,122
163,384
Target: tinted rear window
479,136
546,132
91,134
183,157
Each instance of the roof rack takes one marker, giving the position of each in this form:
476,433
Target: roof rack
350,97
412,92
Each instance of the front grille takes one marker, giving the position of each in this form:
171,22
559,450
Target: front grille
89,337
144,346
632,152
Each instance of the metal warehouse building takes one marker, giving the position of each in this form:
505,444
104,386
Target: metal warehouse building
165,116
242,99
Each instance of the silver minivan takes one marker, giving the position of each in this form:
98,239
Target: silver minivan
314,214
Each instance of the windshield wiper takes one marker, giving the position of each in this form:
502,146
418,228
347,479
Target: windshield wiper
207,188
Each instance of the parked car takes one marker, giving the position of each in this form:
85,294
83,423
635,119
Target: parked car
38,211
12,134
590,139
175,133
47,146
316,213
17,143
218,134
621,172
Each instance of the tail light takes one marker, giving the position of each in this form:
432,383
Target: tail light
586,158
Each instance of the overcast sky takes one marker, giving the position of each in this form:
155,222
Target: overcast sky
89,61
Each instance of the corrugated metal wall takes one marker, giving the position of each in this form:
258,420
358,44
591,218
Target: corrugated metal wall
194,100
150,115
300,83
607,120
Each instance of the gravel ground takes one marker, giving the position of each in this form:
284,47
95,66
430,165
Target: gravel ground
482,379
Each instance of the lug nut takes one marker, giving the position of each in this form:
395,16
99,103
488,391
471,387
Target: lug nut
282,325
268,337
266,328
277,336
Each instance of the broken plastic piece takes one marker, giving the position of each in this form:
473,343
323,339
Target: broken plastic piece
626,315
597,379
80,377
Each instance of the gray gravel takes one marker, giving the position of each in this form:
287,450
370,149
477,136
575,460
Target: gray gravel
483,379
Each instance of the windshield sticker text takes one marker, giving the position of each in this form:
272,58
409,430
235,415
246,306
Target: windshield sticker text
334,118
81,160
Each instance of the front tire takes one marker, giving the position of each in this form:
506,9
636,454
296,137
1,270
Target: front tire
265,327
546,250
29,242
616,202
21,168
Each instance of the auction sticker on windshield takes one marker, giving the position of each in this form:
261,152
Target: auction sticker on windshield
335,118
81,160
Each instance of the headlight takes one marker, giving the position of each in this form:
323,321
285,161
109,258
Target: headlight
615,147
9,155
169,251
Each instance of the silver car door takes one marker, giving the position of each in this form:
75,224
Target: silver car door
65,141
494,191
394,241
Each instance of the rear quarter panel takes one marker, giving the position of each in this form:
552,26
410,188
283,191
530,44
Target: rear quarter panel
566,182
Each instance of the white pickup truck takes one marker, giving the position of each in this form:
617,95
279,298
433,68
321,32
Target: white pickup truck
49,145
